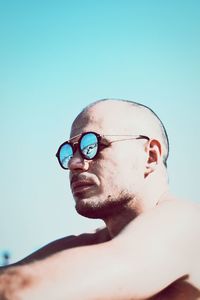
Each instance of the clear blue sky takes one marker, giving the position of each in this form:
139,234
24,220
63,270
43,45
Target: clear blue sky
58,56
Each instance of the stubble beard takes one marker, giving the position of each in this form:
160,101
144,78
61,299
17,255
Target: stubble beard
103,209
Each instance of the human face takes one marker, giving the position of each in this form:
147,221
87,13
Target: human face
104,185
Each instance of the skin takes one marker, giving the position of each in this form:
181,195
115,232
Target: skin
124,165
154,248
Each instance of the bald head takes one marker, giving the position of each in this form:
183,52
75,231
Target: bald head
124,117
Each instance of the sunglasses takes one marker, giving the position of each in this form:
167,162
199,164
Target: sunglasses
89,145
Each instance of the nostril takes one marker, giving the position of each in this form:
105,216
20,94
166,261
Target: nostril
78,163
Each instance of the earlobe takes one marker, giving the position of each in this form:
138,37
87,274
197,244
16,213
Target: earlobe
154,151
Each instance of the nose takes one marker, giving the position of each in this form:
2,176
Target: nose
78,163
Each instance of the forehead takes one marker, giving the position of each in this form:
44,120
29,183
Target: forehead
107,118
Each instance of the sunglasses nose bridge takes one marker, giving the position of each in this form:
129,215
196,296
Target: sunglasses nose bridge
76,150
74,147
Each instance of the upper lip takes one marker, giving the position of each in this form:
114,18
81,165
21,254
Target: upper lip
80,181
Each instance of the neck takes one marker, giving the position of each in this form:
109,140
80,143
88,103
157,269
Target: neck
153,191
117,222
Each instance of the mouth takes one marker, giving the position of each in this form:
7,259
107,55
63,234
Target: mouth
81,186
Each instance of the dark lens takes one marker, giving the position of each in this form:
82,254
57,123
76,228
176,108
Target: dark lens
89,145
65,154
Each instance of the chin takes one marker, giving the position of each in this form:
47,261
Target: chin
97,208
89,208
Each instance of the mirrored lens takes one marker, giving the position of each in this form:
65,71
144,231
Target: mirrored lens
89,145
65,155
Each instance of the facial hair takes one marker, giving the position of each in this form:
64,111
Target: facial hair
103,209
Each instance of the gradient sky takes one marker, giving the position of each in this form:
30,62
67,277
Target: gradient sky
58,56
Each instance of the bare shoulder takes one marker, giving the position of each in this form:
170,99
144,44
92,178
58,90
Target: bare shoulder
172,220
181,205
165,241
179,216
173,213
169,213
187,232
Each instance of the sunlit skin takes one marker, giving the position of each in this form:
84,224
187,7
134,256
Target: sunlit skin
153,246
124,165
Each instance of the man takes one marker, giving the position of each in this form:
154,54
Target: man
117,157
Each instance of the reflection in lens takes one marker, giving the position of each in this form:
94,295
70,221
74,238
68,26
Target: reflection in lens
89,145
66,153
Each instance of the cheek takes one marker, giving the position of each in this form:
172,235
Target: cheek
125,169
119,167
107,172
113,177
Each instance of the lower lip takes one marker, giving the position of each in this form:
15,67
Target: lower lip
81,189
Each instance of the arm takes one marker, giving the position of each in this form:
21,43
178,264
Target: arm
162,242
72,241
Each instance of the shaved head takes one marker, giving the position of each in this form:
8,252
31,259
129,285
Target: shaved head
127,117
122,169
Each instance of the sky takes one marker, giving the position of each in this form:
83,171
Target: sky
56,57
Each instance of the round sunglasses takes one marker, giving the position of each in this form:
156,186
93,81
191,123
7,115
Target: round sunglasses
89,145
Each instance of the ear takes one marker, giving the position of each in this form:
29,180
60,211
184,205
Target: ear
154,151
